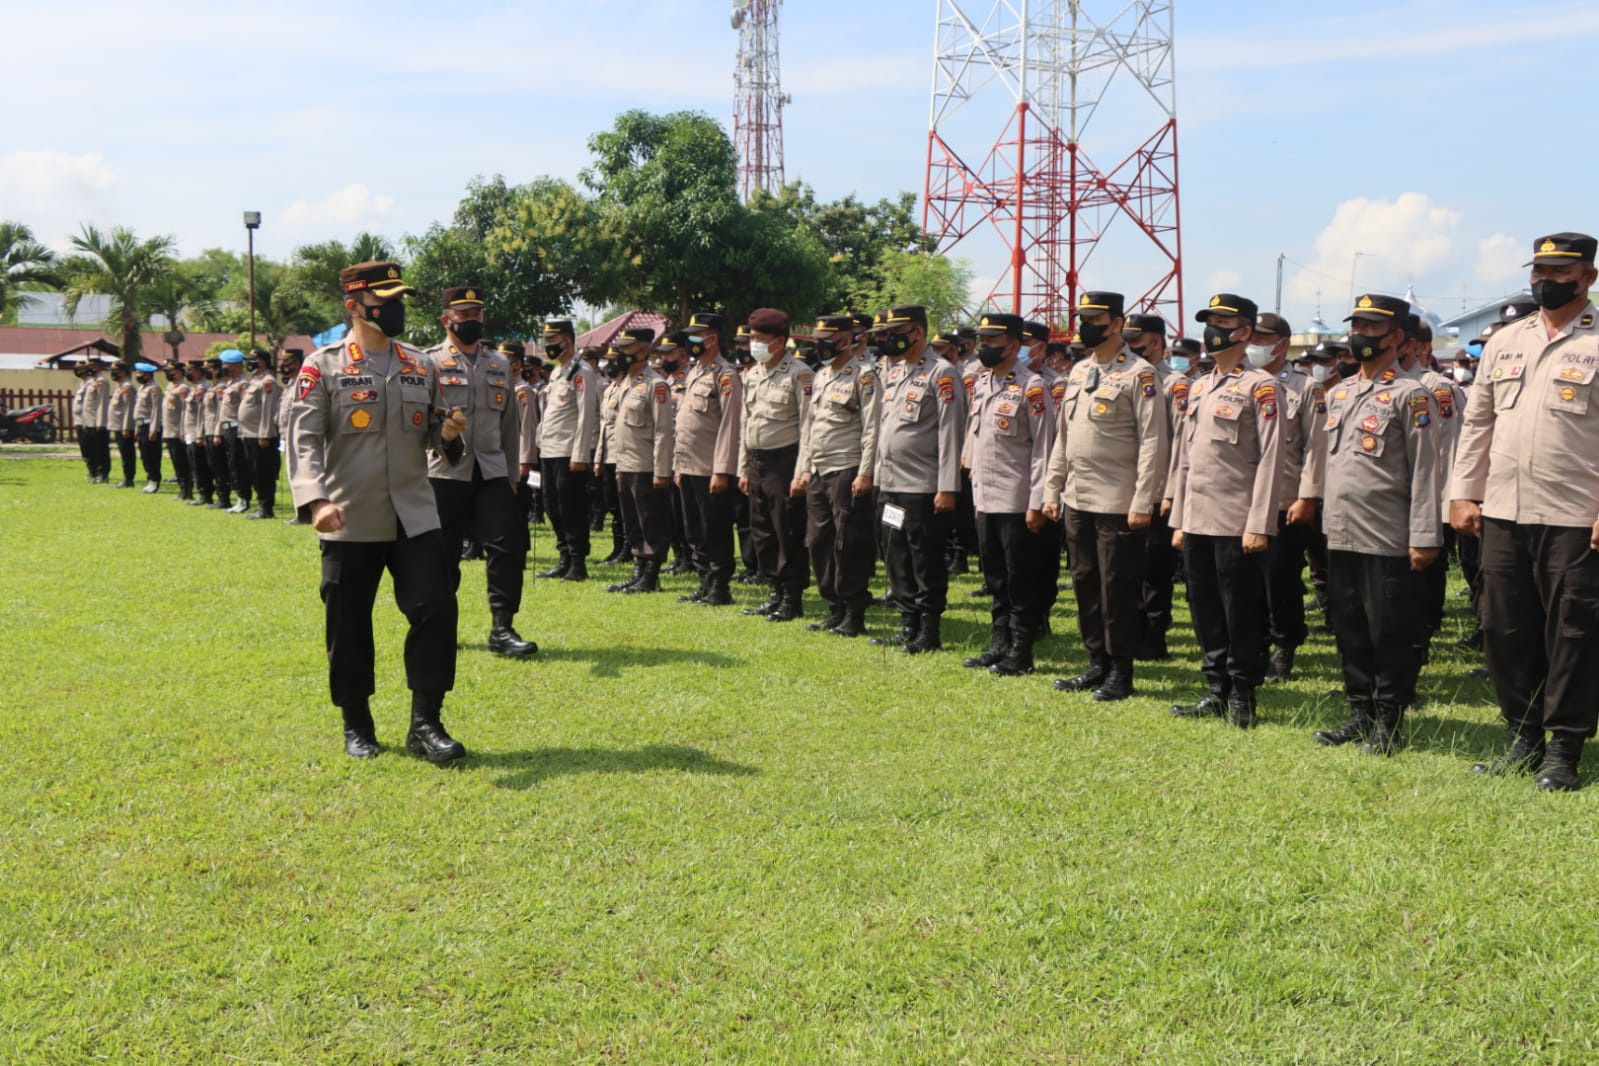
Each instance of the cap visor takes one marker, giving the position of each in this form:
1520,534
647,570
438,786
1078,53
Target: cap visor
391,288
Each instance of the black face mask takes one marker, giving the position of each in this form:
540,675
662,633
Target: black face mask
1367,348
468,332
668,366
388,317
991,355
1218,339
1550,294
1348,370
826,349
553,351
1093,333
892,344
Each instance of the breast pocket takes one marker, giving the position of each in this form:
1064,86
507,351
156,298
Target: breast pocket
635,415
1507,390
911,407
1102,405
497,396
1569,390
1223,421
415,408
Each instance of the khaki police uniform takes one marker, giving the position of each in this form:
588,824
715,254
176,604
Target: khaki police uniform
259,403
838,443
174,408
241,472
1304,459
642,442
216,451
195,440
94,425
147,432
706,444
777,402
120,421
569,432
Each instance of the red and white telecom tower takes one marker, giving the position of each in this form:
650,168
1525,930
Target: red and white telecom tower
758,98
1052,65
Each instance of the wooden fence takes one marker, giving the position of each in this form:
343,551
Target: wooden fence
60,399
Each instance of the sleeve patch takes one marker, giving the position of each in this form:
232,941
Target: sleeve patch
1446,401
946,389
807,382
1057,391
308,381
726,384
1035,393
662,392
868,383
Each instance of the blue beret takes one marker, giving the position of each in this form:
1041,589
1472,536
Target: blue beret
144,368
232,355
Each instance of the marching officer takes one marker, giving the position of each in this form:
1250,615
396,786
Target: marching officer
195,441
1382,524
1224,510
918,473
1110,458
231,390
1525,481
475,492
259,403
777,400
147,424
366,412
642,444
174,401
838,449
120,420
1009,433
1304,460
568,435
705,457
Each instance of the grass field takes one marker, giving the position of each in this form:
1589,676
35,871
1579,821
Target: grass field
687,836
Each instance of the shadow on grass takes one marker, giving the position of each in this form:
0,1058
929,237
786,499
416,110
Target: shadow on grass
610,662
529,768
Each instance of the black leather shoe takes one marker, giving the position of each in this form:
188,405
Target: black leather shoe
766,608
1118,683
1086,681
835,616
1241,707
929,636
910,623
429,740
698,594
357,746
718,595
576,570
649,580
788,608
854,623
1385,737
1018,660
504,640
1355,727
623,586
558,570
1212,704
1559,770
1281,667
998,645
1525,754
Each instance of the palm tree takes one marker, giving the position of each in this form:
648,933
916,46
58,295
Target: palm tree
24,264
178,297
123,267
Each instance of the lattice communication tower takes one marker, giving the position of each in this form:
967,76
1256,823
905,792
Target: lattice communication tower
758,98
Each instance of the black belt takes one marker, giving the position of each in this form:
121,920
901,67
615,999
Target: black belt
762,455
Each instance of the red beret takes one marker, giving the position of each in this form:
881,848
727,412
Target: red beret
769,320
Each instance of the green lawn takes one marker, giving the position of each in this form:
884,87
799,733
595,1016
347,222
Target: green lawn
684,835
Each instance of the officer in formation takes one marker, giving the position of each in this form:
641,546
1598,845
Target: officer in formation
259,404
174,404
568,435
91,413
705,457
1146,338
147,424
120,420
642,443
195,440
230,396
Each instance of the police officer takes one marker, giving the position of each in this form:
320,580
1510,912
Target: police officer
838,449
1382,524
1035,356
705,457
1146,338
366,411
1224,510
259,403
476,493
216,447
195,441
288,373
525,373
777,400
963,542
147,424
670,360
231,391
642,440
94,420
607,495
1525,481
173,402
918,473
1009,433
1449,406
81,371
568,435
1303,416
120,420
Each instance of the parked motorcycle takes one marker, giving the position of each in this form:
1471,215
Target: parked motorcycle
35,425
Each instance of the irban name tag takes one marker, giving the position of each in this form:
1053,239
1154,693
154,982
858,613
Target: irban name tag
893,516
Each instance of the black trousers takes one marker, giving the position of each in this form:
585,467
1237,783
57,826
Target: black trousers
97,444
1470,549
964,540
646,516
1285,588
240,473
566,501
1012,558
918,578
486,511
200,463
1316,557
84,451
777,520
741,522
264,463
1108,579
1227,599
1375,602
216,454
1160,569
839,533
708,523
179,454
679,523
149,453
1436,580
1540,621
419,567
128,452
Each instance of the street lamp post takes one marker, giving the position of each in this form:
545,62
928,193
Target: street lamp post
252,222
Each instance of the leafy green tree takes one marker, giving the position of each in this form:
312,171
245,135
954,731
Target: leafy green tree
313,277
859,239
937,282
119,265
555,225
25,265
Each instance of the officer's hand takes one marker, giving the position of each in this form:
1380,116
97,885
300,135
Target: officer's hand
1421,558
1466,517
862,486
327,517
1035,521
663,482
1177,539
1139,520
744,485
454,425
525,469
943,502
1301,512
127,433
720,483
1255,543
263,443
1165,508
799,484
217,441
1052,511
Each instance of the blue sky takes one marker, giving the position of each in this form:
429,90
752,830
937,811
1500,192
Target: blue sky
1435,138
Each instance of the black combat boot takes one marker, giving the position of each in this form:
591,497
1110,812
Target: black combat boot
910,623
1018,658
360,735
1385,737
998,646
559,569
1212,704
577,569
504,640
699,593
773,598
427,737
959,563
854,623
623,586
929,636
1525,754
680,563
1241,706
649,580
1152,648
1118,684
618,546
1559,770
717,594
1086,681
1355,727
1281,667
789,607
835,616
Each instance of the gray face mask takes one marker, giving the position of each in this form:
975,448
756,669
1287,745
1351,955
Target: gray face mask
1320,372
1259,355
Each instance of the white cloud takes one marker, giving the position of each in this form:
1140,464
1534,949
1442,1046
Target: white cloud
353,207
1223,281
1499,259
34,179
1381,244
